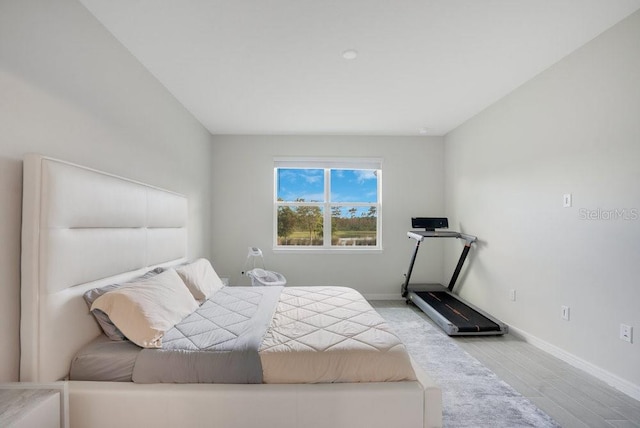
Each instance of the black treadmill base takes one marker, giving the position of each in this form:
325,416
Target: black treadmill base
466,319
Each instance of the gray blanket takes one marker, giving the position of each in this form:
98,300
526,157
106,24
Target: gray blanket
216,344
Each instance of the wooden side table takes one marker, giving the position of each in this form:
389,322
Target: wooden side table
26,405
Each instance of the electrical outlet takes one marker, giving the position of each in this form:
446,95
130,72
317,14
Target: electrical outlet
512,295
626,333
566,200
564,312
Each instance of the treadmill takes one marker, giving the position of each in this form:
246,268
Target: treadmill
454,315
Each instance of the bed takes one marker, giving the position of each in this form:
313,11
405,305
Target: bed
84,229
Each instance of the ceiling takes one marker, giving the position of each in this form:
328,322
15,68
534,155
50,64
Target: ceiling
276,66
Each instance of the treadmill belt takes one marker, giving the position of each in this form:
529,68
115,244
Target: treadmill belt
466,319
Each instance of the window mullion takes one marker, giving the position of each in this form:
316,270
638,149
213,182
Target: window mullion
326,234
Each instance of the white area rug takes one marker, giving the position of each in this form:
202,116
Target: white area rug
473,396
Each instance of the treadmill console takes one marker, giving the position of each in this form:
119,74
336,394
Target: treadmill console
429,223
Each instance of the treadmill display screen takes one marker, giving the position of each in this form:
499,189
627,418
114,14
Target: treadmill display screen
429,223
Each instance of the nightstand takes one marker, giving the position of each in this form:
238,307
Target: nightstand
26,405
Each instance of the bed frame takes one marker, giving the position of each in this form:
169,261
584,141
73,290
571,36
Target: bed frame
82,229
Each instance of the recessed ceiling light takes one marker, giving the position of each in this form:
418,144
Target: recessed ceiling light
424,131
350,54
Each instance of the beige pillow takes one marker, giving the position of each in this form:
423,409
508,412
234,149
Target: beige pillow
143,311
200,279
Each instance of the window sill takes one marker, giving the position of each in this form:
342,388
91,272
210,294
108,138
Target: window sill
323,250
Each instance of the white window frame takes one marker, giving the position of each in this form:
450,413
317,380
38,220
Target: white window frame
327,164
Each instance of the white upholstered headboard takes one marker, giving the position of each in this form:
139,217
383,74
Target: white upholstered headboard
82,229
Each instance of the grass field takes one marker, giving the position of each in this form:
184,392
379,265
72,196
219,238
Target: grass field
339,238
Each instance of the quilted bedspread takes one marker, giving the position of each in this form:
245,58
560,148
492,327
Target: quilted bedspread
218,343
330,334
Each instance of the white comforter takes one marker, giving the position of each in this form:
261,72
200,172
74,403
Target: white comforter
330,334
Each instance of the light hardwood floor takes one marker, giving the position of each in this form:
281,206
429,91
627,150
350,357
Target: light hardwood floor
569,395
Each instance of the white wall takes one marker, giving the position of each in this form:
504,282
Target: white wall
573,129
69,90
243,209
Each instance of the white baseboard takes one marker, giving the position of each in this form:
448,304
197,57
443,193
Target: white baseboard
617,382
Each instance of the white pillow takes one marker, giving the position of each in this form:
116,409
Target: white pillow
143,311
200,279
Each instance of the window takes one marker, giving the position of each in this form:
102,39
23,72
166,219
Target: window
327,203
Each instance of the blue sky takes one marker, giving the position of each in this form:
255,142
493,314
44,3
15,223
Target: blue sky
346,185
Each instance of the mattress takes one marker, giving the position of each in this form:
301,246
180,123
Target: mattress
261,335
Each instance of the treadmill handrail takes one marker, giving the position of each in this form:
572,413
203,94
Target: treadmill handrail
419,235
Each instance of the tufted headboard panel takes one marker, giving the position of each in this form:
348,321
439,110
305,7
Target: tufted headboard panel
82,229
